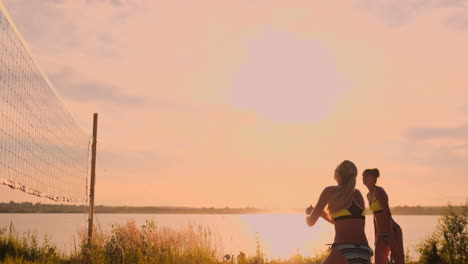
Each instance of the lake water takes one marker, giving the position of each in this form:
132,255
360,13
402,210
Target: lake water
280,234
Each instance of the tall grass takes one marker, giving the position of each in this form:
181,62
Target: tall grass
149,243
127,243
132,244
26,249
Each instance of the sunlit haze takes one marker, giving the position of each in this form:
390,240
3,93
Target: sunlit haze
255,103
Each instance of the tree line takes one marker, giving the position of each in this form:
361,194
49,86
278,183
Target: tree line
28,207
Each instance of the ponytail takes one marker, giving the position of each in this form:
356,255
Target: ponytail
343,197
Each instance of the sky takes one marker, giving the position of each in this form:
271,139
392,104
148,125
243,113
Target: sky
255,103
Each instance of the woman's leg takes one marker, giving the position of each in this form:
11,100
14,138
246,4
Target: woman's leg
335,257
396,246
382,251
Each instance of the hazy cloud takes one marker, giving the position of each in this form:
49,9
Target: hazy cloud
458,20
70,26
69,83
41,26
397,13
445,148
112,2
460,132
447,156
110,161
442,162
72,85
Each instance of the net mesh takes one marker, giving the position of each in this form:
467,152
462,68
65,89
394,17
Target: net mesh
43,151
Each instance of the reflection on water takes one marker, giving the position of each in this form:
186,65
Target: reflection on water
279,234
284,234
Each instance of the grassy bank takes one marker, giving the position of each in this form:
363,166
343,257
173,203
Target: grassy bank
132,244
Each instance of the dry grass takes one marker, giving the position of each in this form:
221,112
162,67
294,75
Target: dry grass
132,244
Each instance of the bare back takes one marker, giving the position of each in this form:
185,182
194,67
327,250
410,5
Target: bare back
352,230
383,219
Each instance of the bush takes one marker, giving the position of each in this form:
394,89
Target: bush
449,243
429,251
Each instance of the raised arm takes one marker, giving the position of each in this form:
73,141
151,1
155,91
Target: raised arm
318,210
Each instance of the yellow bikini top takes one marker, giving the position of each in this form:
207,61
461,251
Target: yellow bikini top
353,211
375,206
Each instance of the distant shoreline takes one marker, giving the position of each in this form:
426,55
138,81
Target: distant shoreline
28,208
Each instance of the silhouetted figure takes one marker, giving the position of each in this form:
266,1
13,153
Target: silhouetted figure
343,206
388,234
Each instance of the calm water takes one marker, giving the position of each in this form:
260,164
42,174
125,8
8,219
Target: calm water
280,234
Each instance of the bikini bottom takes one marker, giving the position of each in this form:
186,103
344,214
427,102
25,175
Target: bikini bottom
355,253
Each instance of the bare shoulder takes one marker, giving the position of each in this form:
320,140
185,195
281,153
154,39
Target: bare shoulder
329,190
380,193
380,190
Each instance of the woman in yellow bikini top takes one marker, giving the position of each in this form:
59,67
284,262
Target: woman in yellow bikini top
342,205
388,234
375,206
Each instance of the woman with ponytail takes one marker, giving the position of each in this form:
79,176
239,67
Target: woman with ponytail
388,234
343,206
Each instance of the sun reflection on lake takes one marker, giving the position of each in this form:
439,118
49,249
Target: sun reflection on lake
282,235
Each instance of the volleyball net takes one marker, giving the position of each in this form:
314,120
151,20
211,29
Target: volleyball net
43,150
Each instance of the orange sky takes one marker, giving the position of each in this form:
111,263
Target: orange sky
254,103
